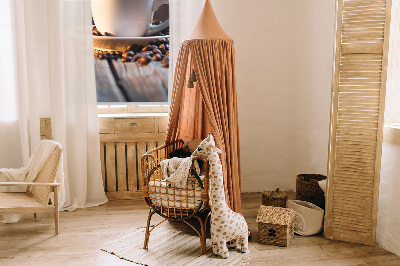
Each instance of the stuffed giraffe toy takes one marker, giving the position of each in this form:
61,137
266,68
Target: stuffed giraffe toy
226,225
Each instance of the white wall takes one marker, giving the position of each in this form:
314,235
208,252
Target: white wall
284,52
388,227
314,61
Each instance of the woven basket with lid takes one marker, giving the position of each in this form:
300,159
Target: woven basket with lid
274,198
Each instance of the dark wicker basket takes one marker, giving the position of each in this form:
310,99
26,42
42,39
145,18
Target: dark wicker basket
274,198
308,189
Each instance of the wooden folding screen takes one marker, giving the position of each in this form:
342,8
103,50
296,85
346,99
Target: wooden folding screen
358,96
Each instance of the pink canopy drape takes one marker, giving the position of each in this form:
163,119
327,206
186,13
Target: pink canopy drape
211,106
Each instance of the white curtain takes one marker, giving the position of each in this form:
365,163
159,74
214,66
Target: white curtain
52,75
183,17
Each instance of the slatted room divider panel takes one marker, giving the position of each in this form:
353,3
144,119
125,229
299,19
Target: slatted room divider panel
358,95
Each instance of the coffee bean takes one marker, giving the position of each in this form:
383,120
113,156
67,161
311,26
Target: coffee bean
156,22
157,51
134,48
113,55
167,53
127,59
166,60
144,60
162,48
96,32
157,57
136,57
166,46
128,53
103,56
108,34
162,40
149,53
147,48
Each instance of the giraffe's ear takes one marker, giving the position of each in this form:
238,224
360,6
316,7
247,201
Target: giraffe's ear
216,149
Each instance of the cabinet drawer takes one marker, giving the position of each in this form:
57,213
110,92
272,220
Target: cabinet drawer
134,125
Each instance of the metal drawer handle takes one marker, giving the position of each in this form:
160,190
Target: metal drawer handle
133,124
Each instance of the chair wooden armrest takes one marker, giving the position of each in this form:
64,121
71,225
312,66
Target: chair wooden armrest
204,191
29,184
152,154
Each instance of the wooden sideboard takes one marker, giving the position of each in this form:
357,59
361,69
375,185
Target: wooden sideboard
123,141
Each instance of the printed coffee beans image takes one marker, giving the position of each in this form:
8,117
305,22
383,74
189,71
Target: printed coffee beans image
156,51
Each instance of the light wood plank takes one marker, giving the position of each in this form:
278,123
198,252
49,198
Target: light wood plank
110,167
141,150
132,167
121,167
124,195
139,137
106,86
102,161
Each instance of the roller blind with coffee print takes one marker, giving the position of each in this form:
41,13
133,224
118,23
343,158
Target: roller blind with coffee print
358,97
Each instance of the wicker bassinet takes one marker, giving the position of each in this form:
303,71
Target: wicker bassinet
170,202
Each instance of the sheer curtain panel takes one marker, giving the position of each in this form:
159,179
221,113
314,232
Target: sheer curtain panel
53,70
183,18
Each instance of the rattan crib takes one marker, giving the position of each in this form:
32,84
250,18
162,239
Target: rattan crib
170,202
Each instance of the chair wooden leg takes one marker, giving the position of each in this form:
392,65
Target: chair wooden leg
34,215
56,211
203,232
147,235
203,236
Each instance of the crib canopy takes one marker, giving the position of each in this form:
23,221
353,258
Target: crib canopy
211,105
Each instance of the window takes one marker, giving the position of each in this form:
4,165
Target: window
131,52
392,108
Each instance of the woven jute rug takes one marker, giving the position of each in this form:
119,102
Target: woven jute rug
168,247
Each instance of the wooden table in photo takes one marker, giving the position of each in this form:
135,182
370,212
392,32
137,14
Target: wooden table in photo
117,81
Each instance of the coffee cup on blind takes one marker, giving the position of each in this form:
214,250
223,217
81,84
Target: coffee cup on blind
127,18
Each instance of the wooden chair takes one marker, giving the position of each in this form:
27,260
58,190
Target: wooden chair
36,197
174,204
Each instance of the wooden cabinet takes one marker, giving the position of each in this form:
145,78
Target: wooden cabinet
123,141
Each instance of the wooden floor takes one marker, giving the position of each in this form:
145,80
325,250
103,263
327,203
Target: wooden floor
83,232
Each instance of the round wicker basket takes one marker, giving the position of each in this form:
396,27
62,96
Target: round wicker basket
308,189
